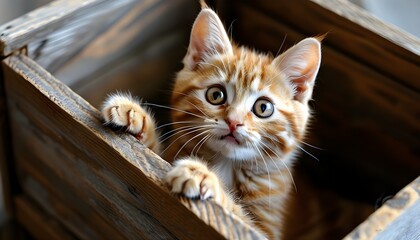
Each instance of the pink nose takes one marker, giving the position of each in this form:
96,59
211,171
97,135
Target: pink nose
233,124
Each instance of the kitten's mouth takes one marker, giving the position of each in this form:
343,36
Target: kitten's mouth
231,138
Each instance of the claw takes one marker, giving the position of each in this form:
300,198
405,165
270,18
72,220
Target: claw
139,136
192,180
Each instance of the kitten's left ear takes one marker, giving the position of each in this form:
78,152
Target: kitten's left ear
208,38
300,64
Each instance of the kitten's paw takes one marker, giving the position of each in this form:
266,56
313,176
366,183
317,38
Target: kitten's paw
124,111
193,179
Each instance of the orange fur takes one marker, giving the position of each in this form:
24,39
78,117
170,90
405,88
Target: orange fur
262,184
236,143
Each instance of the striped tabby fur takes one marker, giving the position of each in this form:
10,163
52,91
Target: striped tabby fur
238,117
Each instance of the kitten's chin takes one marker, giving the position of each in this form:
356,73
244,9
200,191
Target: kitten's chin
231,150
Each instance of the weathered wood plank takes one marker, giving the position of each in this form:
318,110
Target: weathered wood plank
398,218
37,222
46,187
103,192
109,161
351,31
7,171
364,118
58,30
99,192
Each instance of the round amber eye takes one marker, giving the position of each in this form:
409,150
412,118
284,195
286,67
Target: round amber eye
216,95
263,108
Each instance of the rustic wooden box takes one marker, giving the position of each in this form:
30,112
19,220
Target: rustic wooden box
66,176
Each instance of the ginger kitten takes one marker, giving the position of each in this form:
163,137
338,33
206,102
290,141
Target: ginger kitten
238,117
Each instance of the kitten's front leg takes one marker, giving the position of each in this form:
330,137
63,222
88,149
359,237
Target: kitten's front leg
124,111
192,179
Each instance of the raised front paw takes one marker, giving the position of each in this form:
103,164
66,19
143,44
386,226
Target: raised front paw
193,179
123,111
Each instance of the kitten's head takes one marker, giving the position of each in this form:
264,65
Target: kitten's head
238,102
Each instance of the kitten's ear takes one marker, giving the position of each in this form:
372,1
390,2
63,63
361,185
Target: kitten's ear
208,38
300,64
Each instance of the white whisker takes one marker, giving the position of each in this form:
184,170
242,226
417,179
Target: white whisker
175,109
284,164
268,173
200,144
185,144
312,146
307,152
199,109
193,131
173,123
281,46
181,130
274,162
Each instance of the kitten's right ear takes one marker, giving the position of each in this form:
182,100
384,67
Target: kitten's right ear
300,65
208,38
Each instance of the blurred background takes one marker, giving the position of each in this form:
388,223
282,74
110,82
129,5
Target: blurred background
403,14
10,9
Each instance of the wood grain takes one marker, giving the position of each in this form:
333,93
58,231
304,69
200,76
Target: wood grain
45,186
7,170
90,188
37,222
55,32
120,175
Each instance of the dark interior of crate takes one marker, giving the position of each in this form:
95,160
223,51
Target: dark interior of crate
360,149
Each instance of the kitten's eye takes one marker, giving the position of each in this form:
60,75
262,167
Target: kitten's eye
216,95
263,108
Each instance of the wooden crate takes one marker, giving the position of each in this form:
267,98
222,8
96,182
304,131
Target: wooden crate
65,175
